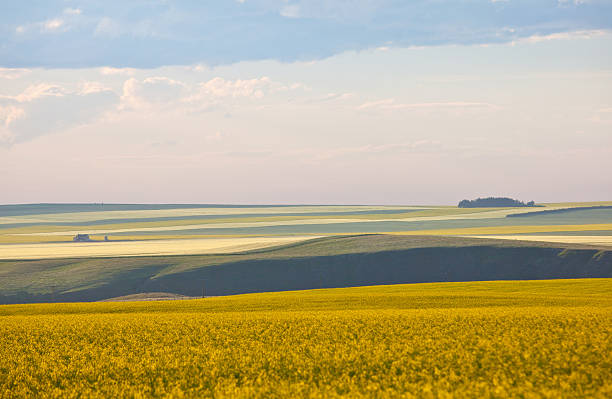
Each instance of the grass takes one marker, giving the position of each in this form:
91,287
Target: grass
473,340
568,239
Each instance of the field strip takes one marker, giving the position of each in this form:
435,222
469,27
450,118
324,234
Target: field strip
220,224
591,240
497,230
183,212
499,213
130,223
197,226
143,248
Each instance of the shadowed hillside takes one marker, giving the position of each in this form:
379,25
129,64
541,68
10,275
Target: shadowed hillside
322,263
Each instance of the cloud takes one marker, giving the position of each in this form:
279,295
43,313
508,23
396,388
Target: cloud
10,114
291,11
117,71
6,137
48,26
107,27
72,11
166,94
250,88
53,24
331,97
416,146
92,87
46,108
602,116
150,91
391,104
579,34
13,73
37,91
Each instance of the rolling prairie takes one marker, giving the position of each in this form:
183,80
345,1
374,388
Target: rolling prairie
22,225
239,249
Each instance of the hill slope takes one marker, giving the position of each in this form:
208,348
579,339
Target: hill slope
322,263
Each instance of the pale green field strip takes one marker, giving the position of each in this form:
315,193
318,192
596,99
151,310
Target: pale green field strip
480,213
91,216
550,205
225,211
428,214
569,239
494,230
142,248
520,229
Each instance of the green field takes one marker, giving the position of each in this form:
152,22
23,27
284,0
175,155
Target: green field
474,340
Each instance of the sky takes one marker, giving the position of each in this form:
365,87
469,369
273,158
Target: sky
305,102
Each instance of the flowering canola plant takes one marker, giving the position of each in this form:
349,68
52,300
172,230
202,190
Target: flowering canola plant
480,340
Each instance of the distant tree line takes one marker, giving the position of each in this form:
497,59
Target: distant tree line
493,202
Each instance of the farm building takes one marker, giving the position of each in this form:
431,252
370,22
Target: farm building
81,237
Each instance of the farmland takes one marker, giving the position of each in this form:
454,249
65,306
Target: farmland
47,225
426,340
183,249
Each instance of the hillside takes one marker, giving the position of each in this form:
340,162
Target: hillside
321,263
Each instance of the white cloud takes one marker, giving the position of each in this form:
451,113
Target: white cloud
290,11
13,73
249,88
72,11
579,34
117,71
92,87
34,92
10,114
417,146
154,90
53,25
564,3
107,27
46,90
391,104
6,137
331,97
169,95
198,68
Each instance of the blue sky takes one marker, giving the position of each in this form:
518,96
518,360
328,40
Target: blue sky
149,34
353,101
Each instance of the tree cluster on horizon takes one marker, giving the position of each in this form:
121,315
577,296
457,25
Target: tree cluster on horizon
492,202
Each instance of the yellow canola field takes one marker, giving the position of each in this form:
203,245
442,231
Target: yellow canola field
143,248
472,340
